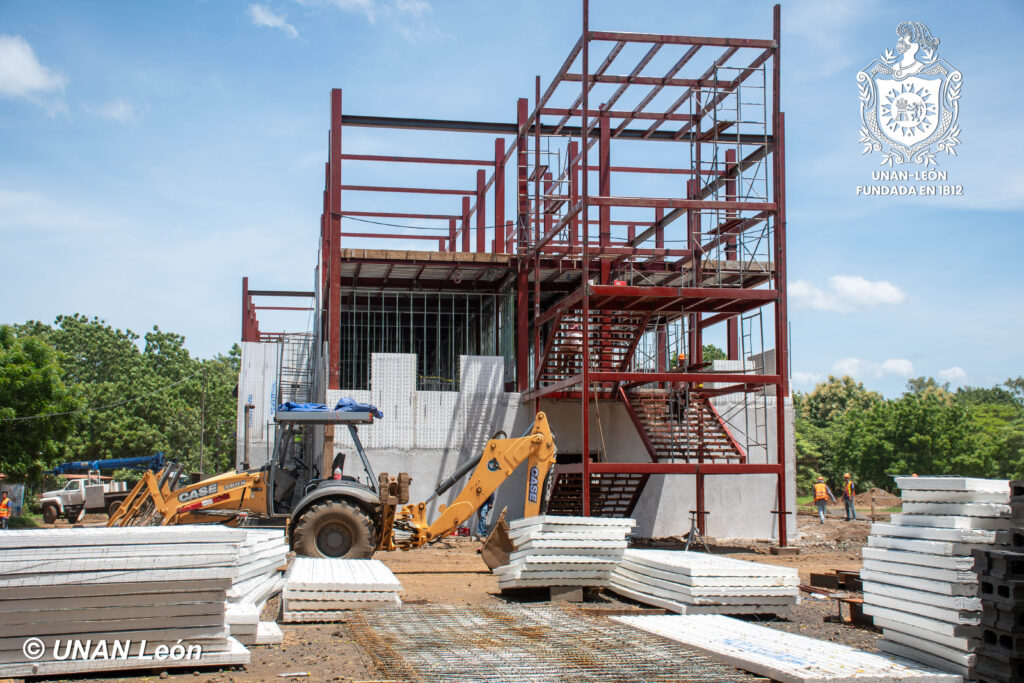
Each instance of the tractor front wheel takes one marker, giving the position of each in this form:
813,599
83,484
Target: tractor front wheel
334,529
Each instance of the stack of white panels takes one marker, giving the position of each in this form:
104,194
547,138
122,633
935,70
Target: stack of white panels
918,580
563,551
123,598
781,656
699,583
261,555
321,589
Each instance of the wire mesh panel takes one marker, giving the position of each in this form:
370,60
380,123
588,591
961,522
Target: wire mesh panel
520,643
438,327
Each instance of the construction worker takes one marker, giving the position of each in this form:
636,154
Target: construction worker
822,494
848,493
485,508
5,510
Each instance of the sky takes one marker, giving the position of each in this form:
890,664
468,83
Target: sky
153,154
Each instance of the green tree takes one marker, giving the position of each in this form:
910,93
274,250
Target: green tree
31,385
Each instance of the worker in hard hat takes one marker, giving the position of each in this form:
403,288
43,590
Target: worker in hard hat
822,494
848,494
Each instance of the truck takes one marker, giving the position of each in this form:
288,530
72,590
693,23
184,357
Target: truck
80,496
328,514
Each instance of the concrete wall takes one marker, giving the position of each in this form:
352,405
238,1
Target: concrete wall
257,384
429,434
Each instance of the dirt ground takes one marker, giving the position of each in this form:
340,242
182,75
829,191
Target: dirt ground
452,573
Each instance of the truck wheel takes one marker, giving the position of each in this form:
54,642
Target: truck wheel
334,529
113,507
49,513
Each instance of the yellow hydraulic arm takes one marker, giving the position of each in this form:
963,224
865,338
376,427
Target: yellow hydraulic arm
499,460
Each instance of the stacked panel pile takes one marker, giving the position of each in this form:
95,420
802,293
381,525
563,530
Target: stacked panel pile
699,583
96,599
262,554
919,584
563,551
1000,651
318,589
781,656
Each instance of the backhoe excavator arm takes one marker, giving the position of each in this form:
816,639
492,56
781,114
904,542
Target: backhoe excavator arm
499,460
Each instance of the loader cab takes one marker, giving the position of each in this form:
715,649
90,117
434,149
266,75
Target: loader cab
299,472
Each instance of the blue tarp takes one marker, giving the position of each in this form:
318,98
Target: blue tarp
350,405
301,407
346,405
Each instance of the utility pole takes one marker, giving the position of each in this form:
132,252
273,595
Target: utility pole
202,425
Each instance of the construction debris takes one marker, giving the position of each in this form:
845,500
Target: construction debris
320,589
918,580
699,583
98,599
519,643
262,554
781,656
563,551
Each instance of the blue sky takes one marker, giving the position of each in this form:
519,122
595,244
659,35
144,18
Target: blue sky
151,154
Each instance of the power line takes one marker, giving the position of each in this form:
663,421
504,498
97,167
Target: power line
112,405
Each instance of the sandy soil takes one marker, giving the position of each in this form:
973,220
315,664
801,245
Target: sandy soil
452,573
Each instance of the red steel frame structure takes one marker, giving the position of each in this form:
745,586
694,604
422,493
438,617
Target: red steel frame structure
570,300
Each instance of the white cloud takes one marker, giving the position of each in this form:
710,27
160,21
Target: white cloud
120,110
826,29
867,369
806,378
953,375
21,74
845,294
410,18
262,15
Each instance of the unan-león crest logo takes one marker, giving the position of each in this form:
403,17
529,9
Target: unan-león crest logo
909,100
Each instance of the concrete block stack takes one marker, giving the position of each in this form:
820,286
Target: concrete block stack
123,598
261,555
699,583
320,590
552,550
919,583
1000,650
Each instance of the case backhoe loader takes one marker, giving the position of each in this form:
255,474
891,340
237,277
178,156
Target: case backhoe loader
346,517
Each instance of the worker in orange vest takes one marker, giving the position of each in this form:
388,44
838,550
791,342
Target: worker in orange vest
5,510
848,494
822,494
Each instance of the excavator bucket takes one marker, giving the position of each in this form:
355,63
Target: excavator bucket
496,548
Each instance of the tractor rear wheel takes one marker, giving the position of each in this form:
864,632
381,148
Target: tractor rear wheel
334,529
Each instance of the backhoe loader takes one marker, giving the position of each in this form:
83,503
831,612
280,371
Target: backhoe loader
343,517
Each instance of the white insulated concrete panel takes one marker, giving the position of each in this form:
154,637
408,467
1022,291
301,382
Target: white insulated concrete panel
393,391
958,509
966,587
257,384
583,522
952,484
308,573
957,563
904,632
924,623
913,545
704,564
951,616
922,496
695,591
925,658
436,426
927,533
952,522
780,656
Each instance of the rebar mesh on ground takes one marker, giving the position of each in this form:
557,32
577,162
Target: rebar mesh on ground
523,643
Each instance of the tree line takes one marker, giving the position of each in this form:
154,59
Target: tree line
842,427
80,389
